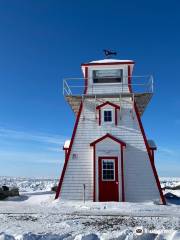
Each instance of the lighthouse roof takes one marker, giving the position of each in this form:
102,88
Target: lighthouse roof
112,61
108,61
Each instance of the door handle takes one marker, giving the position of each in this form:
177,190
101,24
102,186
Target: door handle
117,183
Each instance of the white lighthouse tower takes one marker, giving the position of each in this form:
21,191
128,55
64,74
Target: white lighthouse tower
109,157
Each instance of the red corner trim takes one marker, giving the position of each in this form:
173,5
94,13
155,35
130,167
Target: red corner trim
129,78
99,116
94,173
122,175
110,63
150,155
71,142
86,80
108,136
116,117
108,103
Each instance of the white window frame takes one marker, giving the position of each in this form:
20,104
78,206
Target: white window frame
108,180
112,115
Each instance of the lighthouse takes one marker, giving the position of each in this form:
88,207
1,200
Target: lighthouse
109,157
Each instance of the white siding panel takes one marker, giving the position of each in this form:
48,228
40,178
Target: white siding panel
140,184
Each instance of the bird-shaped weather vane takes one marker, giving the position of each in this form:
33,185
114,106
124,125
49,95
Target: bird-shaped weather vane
109,53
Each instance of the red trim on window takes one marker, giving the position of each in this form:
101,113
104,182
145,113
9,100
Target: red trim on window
110,63
111,104
108,103
108,136
72,141
122,175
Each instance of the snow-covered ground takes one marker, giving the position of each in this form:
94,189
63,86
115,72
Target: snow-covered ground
36,215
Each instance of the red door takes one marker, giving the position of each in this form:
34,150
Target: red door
108,179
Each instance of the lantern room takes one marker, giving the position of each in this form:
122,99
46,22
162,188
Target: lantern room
108,76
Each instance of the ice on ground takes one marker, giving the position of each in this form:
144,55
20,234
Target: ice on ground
36,215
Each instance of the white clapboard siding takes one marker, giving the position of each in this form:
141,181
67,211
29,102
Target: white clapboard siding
140,184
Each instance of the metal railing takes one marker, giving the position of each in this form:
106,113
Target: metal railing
139,84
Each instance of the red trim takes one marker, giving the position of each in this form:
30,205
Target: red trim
122,175
65,151
116,117
129,78
86,79
108,136
108,103
94,171
110,63
99,117
71,142
111,104
150,155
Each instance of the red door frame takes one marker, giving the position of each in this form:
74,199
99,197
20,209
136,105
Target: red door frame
122,146
115,158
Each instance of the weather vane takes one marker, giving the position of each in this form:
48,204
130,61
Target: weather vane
109,53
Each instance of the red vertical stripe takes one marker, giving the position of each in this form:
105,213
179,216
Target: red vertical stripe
116,117
122,175
94,172
99,116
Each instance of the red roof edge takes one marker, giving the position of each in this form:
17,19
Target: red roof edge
108,103
110,63
108,136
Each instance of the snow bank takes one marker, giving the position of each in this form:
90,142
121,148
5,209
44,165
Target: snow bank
124,235
29,184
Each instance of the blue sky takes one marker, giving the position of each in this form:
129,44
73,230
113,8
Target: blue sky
43,41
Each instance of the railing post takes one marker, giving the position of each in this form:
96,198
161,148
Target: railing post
63,87
152,88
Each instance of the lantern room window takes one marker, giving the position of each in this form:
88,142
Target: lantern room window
108,76
107,115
